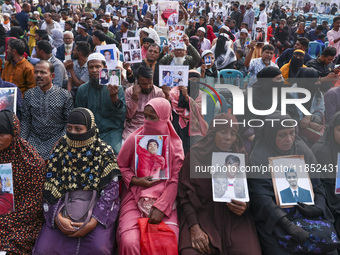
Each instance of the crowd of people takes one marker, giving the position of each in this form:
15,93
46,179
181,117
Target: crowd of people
71,138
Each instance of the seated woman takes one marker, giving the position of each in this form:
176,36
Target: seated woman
277,233
154,199
326,151
290,70
311,127
80,161
19,229
225,57
206,226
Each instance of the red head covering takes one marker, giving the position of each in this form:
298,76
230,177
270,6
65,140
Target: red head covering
164,191
210,33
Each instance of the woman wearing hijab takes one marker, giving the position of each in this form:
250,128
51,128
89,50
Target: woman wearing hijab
201,23
210,33
195,41
143,196
289,70
186,111
225,57
206,226
57,36
19,229
80,161
311,127
326,151
277,234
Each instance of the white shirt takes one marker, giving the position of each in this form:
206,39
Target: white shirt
263,17
62,24
6,8
205,44
44,25
7,27
114,80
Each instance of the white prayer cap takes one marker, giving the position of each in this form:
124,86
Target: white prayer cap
36,13
105,25
201,29
244,30
96,56
107,13
7,15
115,17
146,30
206,52
225,28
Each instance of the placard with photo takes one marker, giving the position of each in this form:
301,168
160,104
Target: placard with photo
229,181
152,156
260,33
8,99
173,76
168,13
110,53
291,181
110,76
6,189
175,37
131,50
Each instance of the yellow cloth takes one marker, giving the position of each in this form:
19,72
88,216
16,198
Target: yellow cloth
31,39
22,74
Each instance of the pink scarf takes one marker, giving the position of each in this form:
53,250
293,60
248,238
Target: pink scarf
198,126
165,191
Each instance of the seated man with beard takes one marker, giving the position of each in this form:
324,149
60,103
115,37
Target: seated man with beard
184,54
106,102
137,96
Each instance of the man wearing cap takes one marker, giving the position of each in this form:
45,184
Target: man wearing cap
108,18
23,16
249,16
106,102
115,27
49,23
152,33
6,23
180,57
45,110
106,31
205,43
240,44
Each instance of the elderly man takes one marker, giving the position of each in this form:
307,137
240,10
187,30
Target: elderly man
180,57
256,65
49,23
137,96
44,52
17,69
64,51
45,110
106,102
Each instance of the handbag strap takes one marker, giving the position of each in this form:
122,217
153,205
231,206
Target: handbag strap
89,214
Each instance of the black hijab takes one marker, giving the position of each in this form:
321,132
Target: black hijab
220,45
306,78
295,63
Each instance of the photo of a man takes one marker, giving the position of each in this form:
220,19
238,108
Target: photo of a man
294,193
230,184
167,80
114,79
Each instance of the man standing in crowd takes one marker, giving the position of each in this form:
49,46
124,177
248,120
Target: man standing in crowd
45,110
17,69
249,16
137,96
236,15
22,17
106,102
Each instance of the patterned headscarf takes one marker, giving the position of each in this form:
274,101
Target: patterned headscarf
79,164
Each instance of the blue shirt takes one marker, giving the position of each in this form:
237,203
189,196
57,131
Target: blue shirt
22,18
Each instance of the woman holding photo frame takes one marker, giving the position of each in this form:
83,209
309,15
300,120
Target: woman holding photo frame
303,228
206,226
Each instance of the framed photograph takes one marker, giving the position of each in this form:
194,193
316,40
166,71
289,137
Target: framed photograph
207,60
131,50
229,181
152,156
8,99
124,11
175,37
110,53
168,13
337,180
260,33
6,189
291,181
173,76
110,76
